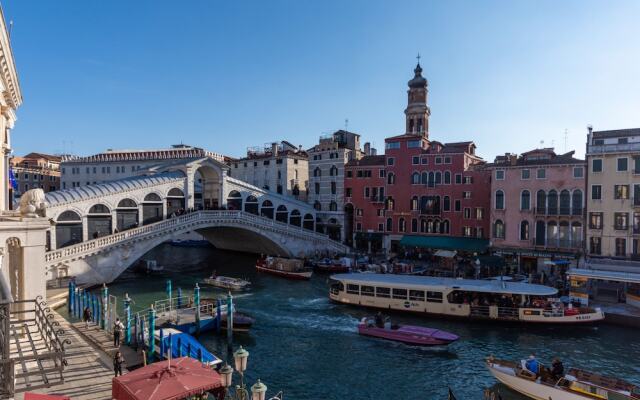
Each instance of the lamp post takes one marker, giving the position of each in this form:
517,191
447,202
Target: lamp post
258,390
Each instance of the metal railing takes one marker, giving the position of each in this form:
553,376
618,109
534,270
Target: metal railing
190,221
612,148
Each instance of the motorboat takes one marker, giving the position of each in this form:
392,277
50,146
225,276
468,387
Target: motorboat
227,282
576,384
329,265
149,267
289,268
415,335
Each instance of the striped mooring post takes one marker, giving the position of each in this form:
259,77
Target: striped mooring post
104,324
196,301
152,329
127,316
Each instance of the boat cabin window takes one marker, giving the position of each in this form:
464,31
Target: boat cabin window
336,287
353,289
417,295
400,294
367,290
434,297
383,292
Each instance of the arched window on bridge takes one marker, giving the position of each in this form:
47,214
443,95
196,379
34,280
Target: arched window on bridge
307,222
68,229
151,209
267,209
175,202
251,205
333,206
295,218
99,221
234,201
317,206
126,215
282,214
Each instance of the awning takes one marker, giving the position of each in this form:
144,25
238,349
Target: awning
557,262
445,253
38,396
446,243
166,380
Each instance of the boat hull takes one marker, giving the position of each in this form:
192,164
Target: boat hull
305,276
413,335
332,269
532,389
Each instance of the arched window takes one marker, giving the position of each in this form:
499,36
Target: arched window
282,214
446,203
576,202
333,171
307,222
499,203
251,205
389,225
152,197
524,230
266,210
498,229
552,199
317,172
295,218
565,202
576,234
552,234
432,179
414,203
415,178
175,192
445,226
414,225
333,206
317,205
437,227
563,234
402,226
447,177
391,178
438,177
390,204
541,202
424,178
69,216
99,209
525,200
423,225
127,203
429,226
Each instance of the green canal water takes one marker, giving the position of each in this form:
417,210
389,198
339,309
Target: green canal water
308,347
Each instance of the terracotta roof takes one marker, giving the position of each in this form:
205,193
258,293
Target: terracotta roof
366,161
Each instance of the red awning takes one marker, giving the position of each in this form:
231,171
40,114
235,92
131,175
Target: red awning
159,381
38,396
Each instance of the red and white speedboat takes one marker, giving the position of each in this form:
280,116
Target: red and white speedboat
285,267
416,335
333,265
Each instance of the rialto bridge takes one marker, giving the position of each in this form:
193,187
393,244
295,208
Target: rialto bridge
98,231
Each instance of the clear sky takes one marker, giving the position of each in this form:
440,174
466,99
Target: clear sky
228,75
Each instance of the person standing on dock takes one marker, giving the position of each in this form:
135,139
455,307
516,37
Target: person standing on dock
117,332
86,317
118,360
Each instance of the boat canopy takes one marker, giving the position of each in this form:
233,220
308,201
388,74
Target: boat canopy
427,282
615,276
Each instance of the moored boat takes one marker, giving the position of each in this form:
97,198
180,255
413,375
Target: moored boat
289,268
576,384
227,282
408,334
149,267
461,298
329,265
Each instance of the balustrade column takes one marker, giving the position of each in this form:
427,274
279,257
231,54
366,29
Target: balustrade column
114,221
85,228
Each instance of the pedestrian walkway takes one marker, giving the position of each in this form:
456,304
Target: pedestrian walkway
88,373
103,341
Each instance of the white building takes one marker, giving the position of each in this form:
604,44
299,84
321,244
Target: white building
278,167
117,164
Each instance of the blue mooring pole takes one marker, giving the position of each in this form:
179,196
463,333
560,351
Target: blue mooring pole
179,297
162,350
170,349
152,329
169,290
76,298
135,331
196,301
105,306
127,317
70,298
229,318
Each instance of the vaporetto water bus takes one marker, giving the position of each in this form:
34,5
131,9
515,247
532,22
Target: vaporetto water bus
462,298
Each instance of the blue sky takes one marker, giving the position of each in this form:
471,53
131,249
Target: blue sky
227,75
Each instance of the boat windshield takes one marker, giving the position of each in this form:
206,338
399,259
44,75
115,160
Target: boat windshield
336,287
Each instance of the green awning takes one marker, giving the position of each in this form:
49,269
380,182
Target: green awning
446,243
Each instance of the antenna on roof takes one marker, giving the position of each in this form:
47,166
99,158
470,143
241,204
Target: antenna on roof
346,124
542,144
10,28
566,135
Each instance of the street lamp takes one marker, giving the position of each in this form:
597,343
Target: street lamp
227,376
258,391
240,357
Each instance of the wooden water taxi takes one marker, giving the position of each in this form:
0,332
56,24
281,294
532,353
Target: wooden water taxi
227,282
289,268
461,298
576,384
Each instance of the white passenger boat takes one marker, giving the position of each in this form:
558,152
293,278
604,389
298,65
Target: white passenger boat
227,282
576,384
463,298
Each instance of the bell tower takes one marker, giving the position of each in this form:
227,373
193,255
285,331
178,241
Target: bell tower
417,112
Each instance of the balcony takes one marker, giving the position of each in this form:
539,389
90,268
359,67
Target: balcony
559,244
377,199
612,148
562,211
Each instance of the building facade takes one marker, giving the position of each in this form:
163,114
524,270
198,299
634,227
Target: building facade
327,162
429,188
118,164
538,207
279,167
35,170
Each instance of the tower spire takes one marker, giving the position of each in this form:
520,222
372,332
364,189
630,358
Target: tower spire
417,112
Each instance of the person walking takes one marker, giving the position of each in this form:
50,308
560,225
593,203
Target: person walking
118,360
86,317
117,332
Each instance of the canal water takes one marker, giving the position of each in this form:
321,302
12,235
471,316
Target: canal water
308,347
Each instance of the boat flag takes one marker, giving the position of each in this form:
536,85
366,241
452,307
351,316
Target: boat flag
451,396
12,179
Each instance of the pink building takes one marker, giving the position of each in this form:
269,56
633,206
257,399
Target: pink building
537,207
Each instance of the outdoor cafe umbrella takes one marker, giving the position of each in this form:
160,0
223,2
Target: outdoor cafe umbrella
166,380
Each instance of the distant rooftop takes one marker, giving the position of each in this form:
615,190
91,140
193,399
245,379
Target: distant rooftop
544,156
179,151
367,161
616,133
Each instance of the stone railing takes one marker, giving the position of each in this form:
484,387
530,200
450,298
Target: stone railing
192,221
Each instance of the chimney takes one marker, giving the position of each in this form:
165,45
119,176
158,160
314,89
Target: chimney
274,149
374,152
367,149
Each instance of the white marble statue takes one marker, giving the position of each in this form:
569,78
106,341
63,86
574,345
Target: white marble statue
33,204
